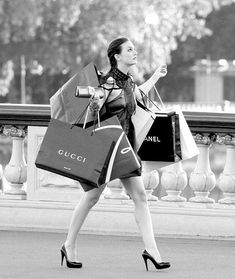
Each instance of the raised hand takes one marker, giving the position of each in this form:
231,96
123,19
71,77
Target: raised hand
161,71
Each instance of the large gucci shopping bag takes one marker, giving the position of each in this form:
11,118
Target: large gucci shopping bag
76,153
162,142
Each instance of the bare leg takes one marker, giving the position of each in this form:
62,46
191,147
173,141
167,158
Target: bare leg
136,190
80,213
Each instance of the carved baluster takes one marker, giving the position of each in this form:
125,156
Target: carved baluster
174,180
1,172
226,181
117,191
16,170
202,179
151,181
1,169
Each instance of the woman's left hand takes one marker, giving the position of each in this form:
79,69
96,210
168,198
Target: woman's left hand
161,71
95,101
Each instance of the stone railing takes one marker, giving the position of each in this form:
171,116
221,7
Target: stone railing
14,123
225,106
24,181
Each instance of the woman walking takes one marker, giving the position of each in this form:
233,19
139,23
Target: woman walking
121,101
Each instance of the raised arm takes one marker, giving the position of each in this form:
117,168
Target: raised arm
161,71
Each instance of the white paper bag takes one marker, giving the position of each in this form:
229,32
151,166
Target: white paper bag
142,121
189,147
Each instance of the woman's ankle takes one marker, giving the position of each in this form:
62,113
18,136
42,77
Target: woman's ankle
71,251
69,245
154,253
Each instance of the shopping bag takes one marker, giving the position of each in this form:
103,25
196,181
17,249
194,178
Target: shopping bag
123,160
162,142
181,139
143,120
65,105
189,147
76,153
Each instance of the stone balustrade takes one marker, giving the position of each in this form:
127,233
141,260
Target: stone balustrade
208,129
225,106
25,125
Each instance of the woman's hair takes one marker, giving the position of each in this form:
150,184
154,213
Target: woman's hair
115,48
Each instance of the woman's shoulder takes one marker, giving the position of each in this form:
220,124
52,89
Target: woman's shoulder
106,78
108,81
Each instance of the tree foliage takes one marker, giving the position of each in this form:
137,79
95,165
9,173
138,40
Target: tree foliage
179,83
62,35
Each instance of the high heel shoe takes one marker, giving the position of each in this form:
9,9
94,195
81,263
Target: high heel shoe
158,265
68,262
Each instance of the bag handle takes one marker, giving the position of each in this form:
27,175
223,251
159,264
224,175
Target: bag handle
81,115
159,97
95,124
147,97
85,111
150,100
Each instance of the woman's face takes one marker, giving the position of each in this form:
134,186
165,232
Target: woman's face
128,54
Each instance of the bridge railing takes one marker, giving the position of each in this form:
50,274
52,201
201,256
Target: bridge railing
193,181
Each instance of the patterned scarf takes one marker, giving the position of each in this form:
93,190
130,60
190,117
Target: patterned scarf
126,83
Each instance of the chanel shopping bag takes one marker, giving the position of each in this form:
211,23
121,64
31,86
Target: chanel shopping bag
75,152
173,131
162,142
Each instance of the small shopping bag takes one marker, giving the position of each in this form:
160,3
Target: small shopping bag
76,153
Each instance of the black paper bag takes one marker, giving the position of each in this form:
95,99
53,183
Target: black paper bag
162,142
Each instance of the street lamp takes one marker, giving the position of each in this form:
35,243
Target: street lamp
151,21
22,80
35,69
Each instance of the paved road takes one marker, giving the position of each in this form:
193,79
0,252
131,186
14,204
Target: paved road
35,255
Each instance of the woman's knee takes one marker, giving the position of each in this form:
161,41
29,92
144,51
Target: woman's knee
92,200
92,197
135,188
139,196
